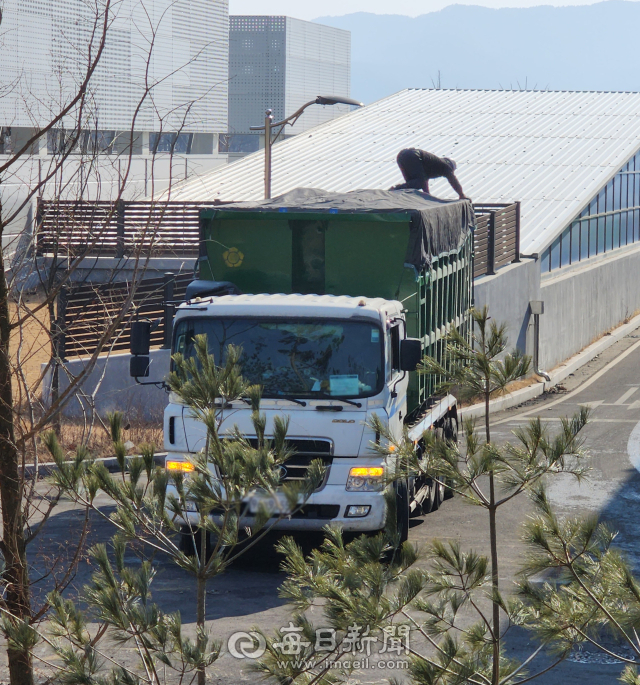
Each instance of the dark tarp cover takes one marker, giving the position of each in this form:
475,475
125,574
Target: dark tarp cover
437,226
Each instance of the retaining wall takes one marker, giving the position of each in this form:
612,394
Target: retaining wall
507,294
117,390
581,304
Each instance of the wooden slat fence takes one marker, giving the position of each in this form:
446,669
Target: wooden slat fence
117,229
497,237
89,310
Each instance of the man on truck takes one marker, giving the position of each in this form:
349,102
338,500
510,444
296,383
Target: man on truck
418,167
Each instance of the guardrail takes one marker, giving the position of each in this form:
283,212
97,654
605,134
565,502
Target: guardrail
103,228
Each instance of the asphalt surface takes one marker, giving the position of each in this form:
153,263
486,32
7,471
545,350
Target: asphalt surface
247,595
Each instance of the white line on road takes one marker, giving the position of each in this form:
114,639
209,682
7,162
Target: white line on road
633,447
578,390
626,396
591,405
558,419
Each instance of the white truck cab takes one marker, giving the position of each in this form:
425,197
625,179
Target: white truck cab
328,363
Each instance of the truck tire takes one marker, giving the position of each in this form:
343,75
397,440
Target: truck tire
450,429
439,493
402,510
428,502
190,542
450,434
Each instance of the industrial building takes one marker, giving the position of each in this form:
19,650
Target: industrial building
279,63
180,48
569,158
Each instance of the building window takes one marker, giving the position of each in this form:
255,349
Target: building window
239,142
60,142
179,143
6,143
611,221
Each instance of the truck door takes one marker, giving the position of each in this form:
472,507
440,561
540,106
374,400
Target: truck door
398,381
308,257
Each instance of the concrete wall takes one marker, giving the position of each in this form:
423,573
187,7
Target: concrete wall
507,294
582,304
117,390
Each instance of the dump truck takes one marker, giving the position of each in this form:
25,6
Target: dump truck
334,298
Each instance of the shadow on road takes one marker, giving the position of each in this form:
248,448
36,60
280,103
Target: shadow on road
250,585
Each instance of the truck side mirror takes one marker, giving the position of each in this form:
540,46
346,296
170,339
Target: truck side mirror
139,366
140,337
410,354
139,346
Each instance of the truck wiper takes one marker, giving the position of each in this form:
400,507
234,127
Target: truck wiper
340,399
290,398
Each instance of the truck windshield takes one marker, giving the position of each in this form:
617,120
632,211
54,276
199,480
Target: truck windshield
298,358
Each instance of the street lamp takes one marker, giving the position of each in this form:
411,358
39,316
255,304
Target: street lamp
291,120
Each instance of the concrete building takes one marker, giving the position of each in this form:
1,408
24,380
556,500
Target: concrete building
279,63
570,158
159,91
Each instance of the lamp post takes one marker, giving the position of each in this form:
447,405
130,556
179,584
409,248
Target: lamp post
291,120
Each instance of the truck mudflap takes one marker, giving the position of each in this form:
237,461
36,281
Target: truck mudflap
438,411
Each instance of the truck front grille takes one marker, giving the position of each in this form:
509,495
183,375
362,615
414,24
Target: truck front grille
295,469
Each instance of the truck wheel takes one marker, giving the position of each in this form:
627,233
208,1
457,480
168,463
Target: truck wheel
428,503
190,542
402,510
450,434
450,428
415,484
439,494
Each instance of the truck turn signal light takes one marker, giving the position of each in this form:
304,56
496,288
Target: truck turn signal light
183,466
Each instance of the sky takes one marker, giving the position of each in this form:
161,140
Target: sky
310,9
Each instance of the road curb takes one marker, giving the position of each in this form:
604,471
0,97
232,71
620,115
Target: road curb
111,464
557,375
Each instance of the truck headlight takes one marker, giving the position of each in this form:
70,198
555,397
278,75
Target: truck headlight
365,479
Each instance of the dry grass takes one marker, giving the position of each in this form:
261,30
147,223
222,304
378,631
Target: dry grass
30,347
72,435
511,387
30,343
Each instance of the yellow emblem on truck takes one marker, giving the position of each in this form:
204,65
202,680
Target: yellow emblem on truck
232,257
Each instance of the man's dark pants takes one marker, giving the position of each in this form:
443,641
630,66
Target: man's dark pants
412,170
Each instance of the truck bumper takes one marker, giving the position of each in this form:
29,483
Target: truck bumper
328,506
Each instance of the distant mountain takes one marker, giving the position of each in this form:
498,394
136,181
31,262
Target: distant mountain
587,47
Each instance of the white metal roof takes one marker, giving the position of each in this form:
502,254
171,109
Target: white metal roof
552,150
338,306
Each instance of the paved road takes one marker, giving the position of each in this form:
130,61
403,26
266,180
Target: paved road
248,594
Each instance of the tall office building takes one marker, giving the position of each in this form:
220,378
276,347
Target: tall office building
179,47
279,63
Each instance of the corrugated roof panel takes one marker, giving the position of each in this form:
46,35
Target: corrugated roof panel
552,150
